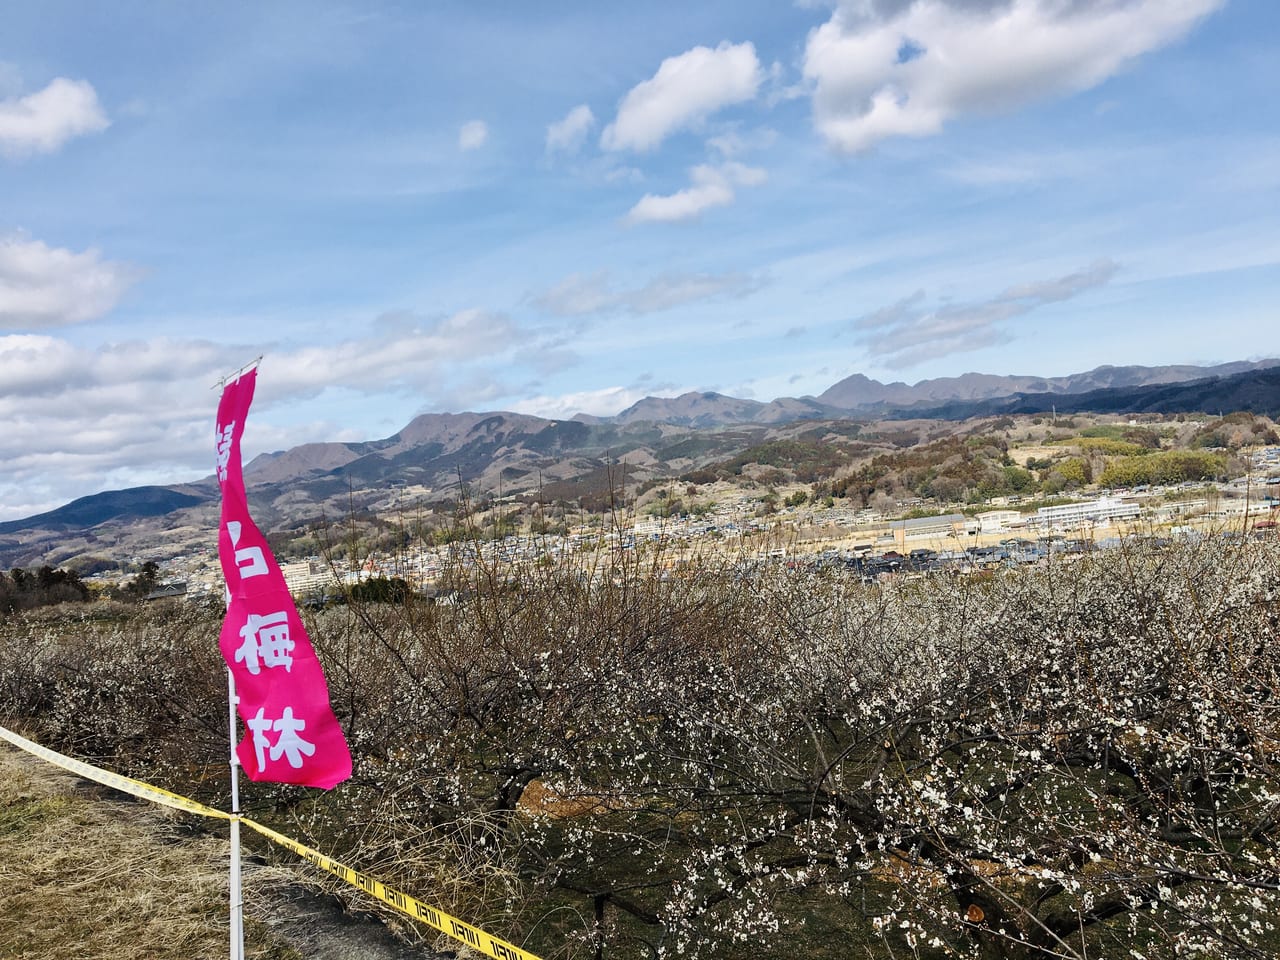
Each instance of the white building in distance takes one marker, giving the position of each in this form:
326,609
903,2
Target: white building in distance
998,521
947,525
1104,509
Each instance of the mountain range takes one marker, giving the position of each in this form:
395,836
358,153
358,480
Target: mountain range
861,396
502,453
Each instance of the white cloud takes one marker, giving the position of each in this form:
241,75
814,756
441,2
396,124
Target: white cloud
623,174
584,295
403,351
79,419
1062,288
579,295
711,186
42,286
472,135
43,121
674,289
734,143
605,402
568,135
906,333
685,91
400,351
880,70
64,378
706,192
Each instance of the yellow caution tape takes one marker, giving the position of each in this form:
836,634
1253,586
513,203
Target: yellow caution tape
451,926
460,930
136,787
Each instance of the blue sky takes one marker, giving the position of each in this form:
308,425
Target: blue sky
566,206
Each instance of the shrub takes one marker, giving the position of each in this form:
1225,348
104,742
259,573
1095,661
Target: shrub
1168,466
738,760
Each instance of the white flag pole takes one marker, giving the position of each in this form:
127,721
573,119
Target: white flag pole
237,898
236,895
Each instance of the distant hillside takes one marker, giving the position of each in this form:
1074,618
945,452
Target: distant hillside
860,396
703,410
435,457
1256,391
300,461
131,504
423,437
858,391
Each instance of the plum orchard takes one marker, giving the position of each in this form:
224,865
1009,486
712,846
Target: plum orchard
1078,760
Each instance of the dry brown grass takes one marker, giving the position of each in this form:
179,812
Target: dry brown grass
88,877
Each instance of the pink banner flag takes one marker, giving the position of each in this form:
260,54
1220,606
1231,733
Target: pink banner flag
283,699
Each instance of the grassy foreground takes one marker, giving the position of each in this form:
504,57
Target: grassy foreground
91,878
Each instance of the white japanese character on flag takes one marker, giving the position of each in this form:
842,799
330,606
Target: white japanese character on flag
224,448
250,560
289,745
266,640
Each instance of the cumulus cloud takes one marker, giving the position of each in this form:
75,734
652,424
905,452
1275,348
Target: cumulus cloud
43,286
685,91
60,378
886,68
606,402
568,134
908,332
402,351
82,419
78,421
472,135
581,295
43,121
399,351
710,186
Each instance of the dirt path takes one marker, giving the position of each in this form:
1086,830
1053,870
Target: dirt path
86,874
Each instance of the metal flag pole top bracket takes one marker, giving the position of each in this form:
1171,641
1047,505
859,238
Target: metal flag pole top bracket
236,374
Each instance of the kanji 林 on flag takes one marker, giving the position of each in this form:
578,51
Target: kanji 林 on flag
293,736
